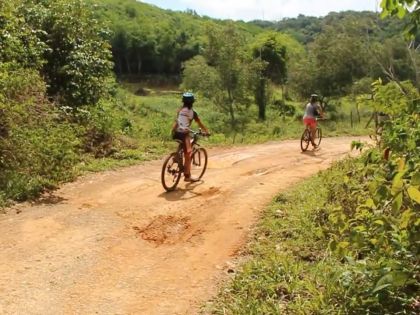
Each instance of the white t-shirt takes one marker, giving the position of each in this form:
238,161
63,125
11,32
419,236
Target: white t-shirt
311,110
185,117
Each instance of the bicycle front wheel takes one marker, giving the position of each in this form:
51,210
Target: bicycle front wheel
305,140
318,136
171,171
198,162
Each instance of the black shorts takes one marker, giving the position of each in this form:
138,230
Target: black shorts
179,135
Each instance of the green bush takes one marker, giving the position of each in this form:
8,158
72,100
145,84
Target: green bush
77,56
373,215
37,148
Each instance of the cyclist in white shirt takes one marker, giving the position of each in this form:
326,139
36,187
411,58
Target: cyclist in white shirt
181,130
312,110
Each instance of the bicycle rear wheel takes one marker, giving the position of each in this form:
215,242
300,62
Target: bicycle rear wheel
318,136
198,162
171,171
305,140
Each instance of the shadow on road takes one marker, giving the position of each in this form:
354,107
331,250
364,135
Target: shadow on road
182,193
314,153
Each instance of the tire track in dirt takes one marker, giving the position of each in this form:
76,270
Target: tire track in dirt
115,243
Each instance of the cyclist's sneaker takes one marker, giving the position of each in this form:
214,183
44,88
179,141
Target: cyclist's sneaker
190,179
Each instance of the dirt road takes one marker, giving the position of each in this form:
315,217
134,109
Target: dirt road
115,243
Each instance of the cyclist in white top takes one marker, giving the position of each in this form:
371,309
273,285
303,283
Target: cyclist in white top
312,110
181,130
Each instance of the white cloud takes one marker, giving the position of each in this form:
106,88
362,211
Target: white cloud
274,9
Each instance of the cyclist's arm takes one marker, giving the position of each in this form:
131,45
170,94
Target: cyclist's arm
175,124
198,121
205,130
320,111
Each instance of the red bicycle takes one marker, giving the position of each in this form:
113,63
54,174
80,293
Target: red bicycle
173,167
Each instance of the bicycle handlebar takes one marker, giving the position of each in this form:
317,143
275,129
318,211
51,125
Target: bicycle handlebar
199,133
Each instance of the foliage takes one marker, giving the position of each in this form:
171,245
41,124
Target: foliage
378,236
37,150
345,47
395,98
339,56
148,40
230,72
303,28
19,43
402,8
54,69
199,76
268,49
306,28
373,215
77,58
397,59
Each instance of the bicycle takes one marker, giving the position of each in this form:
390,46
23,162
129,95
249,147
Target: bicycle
173,166
305,139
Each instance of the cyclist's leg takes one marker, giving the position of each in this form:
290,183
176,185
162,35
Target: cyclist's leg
312,127
187,156
311,123
313,133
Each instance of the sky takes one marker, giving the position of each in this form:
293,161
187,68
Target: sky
272,10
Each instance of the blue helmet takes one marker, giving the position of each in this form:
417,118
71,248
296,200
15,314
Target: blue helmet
188,98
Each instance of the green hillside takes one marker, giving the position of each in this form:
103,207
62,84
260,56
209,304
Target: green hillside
306,28
150,40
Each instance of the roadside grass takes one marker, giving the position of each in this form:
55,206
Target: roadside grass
289,270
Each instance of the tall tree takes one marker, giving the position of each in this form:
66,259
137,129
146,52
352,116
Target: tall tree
77,58
269,50
340,56
231,71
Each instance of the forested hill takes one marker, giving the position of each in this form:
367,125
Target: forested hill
306,28
147,39
150,40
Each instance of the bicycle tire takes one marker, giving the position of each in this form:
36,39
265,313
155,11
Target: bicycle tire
318,136
171,171
305,140
199,160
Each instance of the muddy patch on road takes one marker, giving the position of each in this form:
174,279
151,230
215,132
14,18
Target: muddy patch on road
164,229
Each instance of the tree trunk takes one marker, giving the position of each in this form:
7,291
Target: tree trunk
127,63
261,99
358,113
283,95
232,115
119,66
139,64
412,55
231,109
